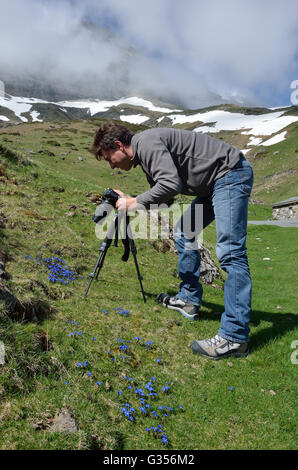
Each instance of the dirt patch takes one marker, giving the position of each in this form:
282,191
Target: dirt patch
64,422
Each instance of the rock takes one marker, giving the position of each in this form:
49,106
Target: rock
9,300
209,270
64,422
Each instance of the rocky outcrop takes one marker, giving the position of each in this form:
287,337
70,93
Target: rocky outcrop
209,271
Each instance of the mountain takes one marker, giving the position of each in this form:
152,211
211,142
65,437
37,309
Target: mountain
251,126
268,137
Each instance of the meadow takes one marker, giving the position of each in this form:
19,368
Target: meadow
119,368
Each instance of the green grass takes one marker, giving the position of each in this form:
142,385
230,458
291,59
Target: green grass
260,411
276,168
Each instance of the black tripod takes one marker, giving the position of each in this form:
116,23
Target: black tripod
129,245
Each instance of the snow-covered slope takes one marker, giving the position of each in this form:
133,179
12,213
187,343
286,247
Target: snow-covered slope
19,106
265,123
97,106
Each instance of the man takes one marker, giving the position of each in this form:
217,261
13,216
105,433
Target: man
177,161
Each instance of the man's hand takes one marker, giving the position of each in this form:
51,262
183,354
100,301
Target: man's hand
126,203
121,194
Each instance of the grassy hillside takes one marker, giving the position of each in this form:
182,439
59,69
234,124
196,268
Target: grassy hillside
49,182
276,168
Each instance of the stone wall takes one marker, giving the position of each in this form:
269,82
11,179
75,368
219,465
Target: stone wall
286,212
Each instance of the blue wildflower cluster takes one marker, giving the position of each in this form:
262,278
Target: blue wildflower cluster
137,401
158,429
82,364
75,333
127,410
58,270
146,408
124,346
119,311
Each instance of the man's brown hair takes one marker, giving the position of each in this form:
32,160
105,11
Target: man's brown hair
106,135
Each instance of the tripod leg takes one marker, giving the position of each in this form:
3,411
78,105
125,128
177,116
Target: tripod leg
98,263
133,250
103,251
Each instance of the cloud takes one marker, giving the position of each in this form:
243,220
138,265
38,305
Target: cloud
193,53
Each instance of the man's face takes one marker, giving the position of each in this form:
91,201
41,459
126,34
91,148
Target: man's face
118,158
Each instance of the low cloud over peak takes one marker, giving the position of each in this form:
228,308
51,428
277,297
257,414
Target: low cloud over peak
192,53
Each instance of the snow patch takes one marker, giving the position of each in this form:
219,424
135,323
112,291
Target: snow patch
134,118
34,115
276,139
254,141
98,106
263,124
17,105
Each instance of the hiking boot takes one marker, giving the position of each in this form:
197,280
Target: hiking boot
189,311
218,348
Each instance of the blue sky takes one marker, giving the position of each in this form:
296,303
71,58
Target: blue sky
192,52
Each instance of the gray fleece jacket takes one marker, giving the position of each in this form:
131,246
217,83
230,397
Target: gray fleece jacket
177,161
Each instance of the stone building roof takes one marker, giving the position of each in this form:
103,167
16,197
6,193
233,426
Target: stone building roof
287,202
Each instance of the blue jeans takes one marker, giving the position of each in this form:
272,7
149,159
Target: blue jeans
229,206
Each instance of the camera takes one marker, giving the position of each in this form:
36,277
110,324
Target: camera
109,199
